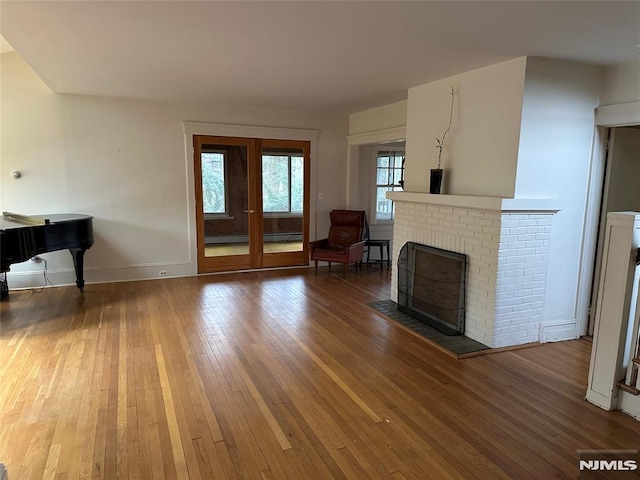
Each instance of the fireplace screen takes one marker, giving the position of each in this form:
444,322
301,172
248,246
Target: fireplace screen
431,286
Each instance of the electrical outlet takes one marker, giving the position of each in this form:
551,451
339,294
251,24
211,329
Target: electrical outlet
162,273
36,259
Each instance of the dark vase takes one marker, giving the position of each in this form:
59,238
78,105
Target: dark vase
436,180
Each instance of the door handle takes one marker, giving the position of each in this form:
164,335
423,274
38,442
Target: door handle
251,210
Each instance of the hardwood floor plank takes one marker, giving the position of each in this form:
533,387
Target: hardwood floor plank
346,388
174,431
277,375
264,408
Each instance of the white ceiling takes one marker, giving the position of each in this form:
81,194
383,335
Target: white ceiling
323,56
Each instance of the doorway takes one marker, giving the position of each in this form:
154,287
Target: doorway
252,202
620,193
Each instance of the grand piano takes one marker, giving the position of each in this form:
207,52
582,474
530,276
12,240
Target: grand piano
25,236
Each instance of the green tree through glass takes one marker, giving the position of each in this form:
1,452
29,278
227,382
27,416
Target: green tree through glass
213,197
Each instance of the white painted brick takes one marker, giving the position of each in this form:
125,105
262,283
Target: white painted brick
533,271
534,243
496,245
515,259
512,301
514,318
504,295
521,293
482,235
510,223
526,237
528,222
484,221
513,287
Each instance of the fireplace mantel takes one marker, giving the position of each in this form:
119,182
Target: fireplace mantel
488,204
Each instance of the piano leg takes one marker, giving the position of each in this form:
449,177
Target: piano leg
4,286
78,263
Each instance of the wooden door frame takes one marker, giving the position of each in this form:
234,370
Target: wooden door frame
606,117
248,131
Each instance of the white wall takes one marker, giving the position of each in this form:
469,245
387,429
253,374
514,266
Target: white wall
554,160
621,84
366,159
123,162
481,149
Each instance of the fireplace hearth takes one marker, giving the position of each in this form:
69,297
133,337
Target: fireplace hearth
431,286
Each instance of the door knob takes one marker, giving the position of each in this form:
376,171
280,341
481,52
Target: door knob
252,210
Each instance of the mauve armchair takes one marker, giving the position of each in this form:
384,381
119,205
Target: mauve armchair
345,243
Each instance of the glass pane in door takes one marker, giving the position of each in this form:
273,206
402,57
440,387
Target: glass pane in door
282,199
225,201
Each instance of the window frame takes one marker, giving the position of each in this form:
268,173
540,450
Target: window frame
225,166
289,212
374,197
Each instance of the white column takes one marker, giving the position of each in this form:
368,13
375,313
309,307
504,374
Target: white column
622,237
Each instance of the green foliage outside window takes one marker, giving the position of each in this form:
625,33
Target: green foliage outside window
213,195
282,183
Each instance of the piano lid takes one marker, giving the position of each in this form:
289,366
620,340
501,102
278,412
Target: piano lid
13,220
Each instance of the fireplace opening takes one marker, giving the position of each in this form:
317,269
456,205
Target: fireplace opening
431,286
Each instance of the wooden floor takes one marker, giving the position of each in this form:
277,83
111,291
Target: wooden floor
276,375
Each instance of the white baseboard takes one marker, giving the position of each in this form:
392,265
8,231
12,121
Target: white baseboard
65,277
557,330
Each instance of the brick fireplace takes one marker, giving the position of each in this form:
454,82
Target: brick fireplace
507,245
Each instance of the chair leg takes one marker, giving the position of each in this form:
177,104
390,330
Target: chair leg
316,266
329,266
344,270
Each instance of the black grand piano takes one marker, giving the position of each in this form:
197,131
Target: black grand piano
25,236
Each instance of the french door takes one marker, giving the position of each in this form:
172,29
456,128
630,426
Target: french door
252,202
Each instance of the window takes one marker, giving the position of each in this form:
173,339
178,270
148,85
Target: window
213,175
282,182
389,173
